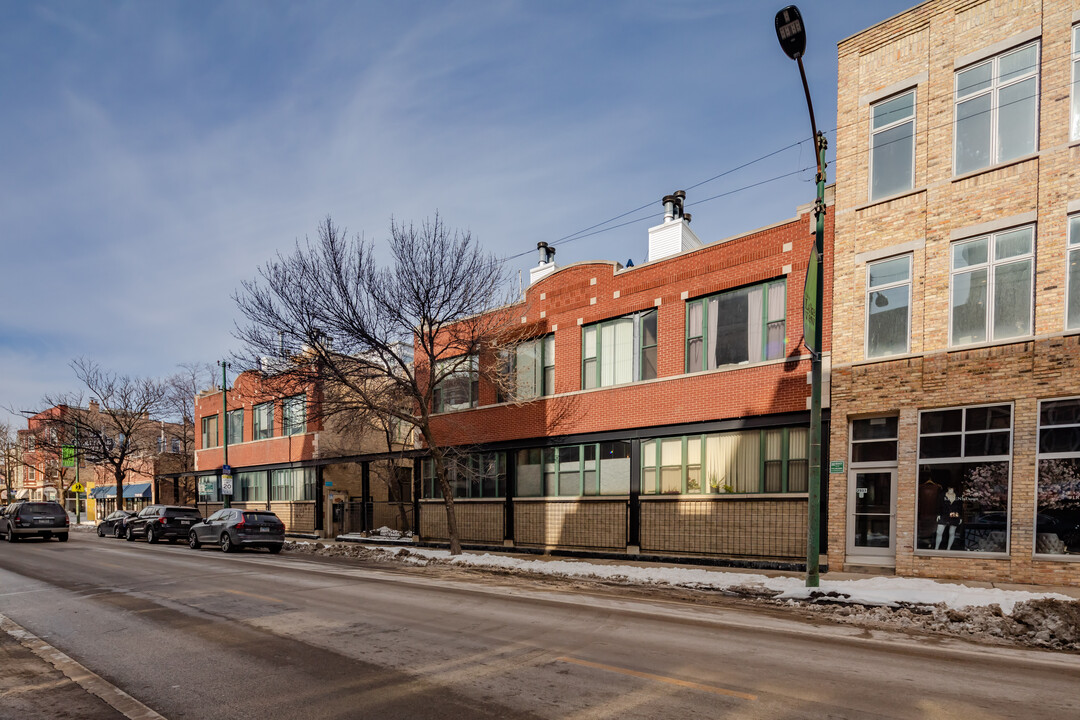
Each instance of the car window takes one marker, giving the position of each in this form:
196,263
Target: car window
182,512
263,517
43,509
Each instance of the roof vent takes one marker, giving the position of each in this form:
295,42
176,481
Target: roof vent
547,263
674,235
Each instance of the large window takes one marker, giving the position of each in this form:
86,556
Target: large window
619,351
997,109
574,470
529,369
250,487
874,440
477,475
1076,84
294,415
774,460
965,457
460,389
236,426
209,488
1057,520
888,307
991,287
210,431
1072,313
262,425
293,484
892,146
740,326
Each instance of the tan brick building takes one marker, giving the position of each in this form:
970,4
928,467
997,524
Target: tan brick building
956,340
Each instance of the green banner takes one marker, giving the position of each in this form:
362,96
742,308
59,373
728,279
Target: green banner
67,456
810,308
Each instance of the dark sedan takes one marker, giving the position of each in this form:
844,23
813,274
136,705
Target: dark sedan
162,522
233,529
113,524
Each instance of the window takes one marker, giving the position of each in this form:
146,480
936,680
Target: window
210,431
991,287
531,366
965,457
460,389
209,489
251,486
997,109
740,326
236,425
874,440
1072,313
294,415
574,470
751,461
1076,84
479,475
262,421
293,484
619,351
1057,522
892,146
888,307
177,446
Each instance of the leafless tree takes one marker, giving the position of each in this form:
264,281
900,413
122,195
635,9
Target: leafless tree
358,322
179,405
9,462
112,422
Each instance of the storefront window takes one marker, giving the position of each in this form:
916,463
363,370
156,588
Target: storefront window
478,475
964,467
1057,523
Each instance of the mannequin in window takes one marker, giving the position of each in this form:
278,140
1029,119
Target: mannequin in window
949,510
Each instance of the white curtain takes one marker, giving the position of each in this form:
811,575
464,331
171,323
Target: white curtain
732,462
755,298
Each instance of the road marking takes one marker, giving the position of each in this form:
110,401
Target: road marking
257,597
94,684
661,678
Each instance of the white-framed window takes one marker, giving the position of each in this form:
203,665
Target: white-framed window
965,465
210,431
460,389
991,287
747,325
294,415
1057,519
262,421
1075,134
997,109
619,351
892,145
1072,280
888,307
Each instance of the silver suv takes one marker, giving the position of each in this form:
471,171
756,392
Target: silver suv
29,519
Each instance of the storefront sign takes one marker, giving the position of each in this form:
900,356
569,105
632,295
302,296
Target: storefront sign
836,466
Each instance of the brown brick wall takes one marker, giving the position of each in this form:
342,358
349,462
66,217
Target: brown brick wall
477,521
734,527
586,524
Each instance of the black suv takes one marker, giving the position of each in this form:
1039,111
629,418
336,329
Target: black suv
29,519
157,522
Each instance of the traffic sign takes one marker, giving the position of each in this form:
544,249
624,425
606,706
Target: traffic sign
77,487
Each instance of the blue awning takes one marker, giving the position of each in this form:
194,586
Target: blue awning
142,490
102,491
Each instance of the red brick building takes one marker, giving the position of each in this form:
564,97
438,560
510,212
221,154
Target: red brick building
668,407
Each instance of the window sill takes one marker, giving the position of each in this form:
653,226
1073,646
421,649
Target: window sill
999,166
890,198
725,496
960,554
1039,557
994,343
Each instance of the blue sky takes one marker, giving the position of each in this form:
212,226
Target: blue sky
155,153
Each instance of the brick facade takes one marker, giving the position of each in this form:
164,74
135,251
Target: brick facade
923,49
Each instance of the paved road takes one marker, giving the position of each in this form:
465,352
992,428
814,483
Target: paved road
203,634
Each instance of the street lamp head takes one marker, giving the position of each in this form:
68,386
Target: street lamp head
790,32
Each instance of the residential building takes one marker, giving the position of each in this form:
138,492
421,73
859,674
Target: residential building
320,475
660,409
956,341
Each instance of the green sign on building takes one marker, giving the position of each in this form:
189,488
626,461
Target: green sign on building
836,466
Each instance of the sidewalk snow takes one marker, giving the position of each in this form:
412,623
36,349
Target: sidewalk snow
883,591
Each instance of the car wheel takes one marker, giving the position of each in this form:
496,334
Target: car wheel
193,540
227,544
130,534
119,531
101,531
62,537
274,549
150,536
11,536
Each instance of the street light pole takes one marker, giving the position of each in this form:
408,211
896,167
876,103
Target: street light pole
791,33
226,474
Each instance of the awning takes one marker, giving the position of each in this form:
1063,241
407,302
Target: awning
101,491
142,490
22,495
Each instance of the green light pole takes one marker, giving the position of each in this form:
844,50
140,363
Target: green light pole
791,33
226,471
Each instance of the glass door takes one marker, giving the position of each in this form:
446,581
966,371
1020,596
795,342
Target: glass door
872,509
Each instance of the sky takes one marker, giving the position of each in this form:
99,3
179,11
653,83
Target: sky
155,153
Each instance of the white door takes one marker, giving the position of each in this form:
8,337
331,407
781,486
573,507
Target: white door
872,513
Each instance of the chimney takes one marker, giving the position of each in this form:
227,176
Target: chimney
547,263
674,235
94,406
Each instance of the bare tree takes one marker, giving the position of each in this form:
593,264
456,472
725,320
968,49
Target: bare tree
9,463
115,427
358,323
179,405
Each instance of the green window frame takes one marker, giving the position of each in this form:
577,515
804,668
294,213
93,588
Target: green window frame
262,421
210,432
585,470
767,461
529,368
620,350
711,325
294,415
460,389
476,476
234,420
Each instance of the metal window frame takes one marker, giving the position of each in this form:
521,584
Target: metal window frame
1075,58
991,264
895,124
889,286
636,340
1039,456
1072,245
704,300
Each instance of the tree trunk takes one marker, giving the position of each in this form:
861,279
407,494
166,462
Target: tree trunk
119,489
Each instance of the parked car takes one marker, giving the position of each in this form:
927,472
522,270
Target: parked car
161,522
233,529
30,519
113,524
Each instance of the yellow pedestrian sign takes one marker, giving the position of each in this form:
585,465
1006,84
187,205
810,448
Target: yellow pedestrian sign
77,487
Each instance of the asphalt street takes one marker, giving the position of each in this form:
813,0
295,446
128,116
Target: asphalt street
201,634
